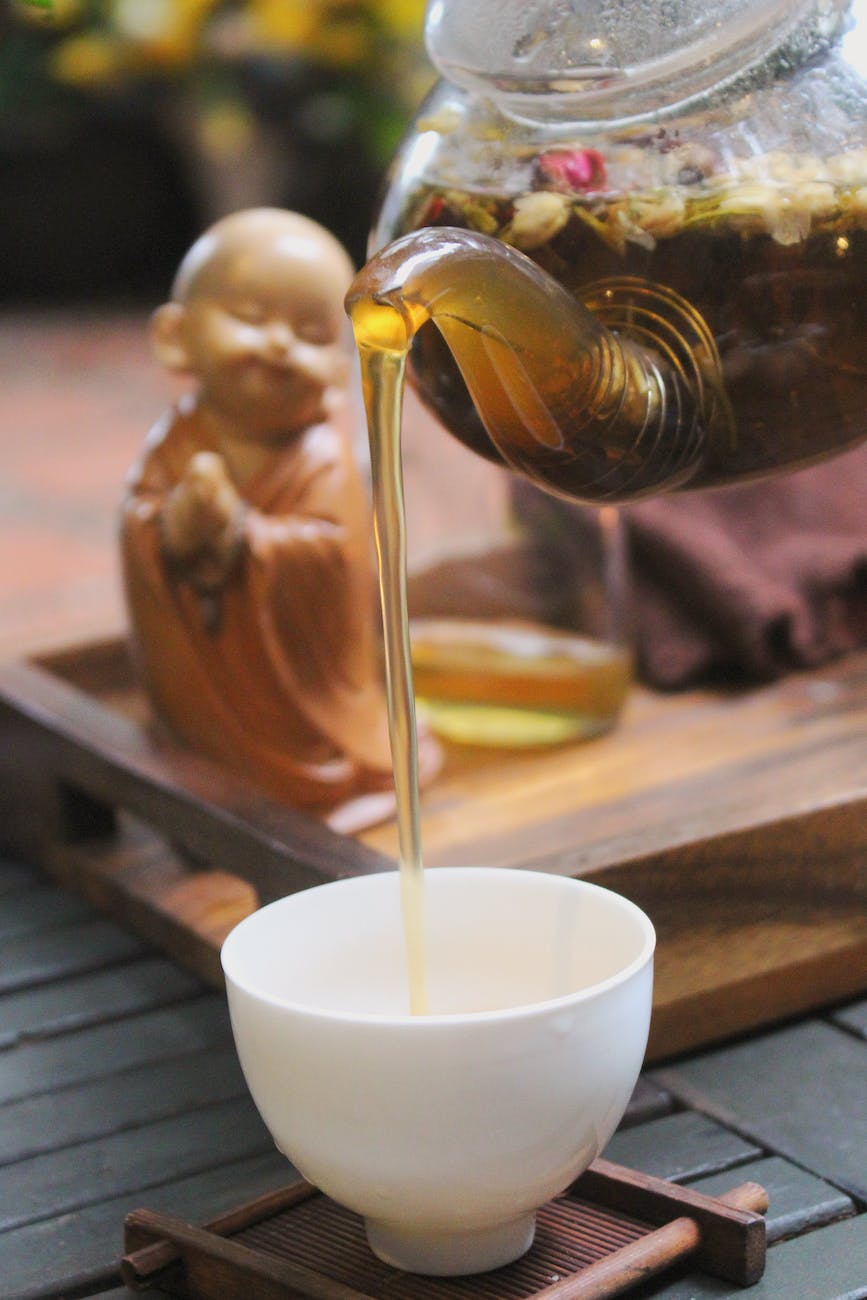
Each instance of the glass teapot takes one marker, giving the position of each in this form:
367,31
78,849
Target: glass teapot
625,242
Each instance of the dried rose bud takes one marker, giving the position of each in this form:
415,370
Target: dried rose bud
571,169
434,209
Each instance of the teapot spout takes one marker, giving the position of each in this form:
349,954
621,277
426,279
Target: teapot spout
605,399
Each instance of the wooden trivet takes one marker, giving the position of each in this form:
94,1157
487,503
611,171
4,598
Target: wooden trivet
612,1229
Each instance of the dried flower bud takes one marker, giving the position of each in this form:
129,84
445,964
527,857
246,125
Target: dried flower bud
538,217
571,170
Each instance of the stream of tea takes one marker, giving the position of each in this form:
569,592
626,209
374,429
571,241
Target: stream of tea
383,343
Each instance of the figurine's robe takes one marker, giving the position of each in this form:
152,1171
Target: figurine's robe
283,686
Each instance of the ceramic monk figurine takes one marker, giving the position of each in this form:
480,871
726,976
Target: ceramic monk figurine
246,530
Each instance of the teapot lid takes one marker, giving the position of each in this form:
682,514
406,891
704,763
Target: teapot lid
616,60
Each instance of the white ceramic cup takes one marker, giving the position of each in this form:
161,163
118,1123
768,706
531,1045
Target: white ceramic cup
445,1131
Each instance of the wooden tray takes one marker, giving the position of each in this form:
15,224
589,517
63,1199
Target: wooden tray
611,1230
738,822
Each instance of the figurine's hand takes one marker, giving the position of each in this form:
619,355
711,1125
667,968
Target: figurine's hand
201,511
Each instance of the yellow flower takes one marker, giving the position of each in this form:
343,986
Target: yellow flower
284,24
88,60
131,36
344,39
59,13
404,18
227,129
165,32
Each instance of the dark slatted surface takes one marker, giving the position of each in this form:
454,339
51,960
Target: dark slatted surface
119,1088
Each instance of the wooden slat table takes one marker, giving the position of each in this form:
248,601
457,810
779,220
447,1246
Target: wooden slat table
119,1088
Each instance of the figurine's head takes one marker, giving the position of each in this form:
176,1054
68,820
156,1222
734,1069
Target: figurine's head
257,316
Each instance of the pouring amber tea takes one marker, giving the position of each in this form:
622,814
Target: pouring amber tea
621,253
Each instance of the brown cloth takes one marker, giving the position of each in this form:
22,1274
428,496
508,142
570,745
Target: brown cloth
747,583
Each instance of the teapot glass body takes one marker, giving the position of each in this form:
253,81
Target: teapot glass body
713,172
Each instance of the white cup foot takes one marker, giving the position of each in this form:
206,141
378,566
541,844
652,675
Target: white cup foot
452,1253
